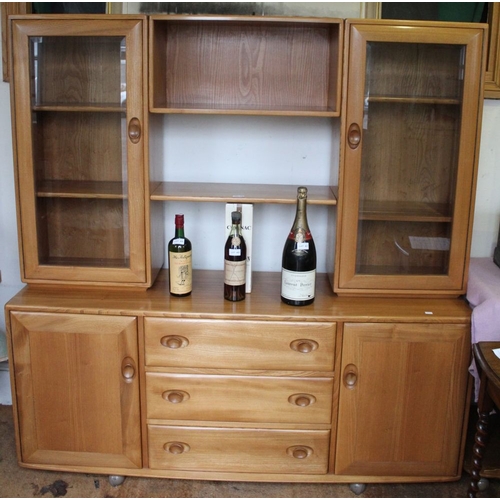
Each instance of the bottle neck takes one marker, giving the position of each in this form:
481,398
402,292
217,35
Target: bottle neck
235,229
300,221
179,231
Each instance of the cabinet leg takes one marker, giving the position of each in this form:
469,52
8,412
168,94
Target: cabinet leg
480,440
357,488
116,480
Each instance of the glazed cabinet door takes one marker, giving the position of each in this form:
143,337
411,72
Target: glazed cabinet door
403,398
79,138
77,389
410,149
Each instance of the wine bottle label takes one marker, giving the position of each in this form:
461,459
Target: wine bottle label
178,241
235,252
234,272
181,279
298,285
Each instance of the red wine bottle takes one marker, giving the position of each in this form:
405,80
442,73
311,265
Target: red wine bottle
298,270
235,261
180,261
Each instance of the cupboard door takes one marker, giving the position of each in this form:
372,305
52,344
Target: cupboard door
411,147
77,389
79,126
403,393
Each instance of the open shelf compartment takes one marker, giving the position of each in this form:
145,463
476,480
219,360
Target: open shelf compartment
245,65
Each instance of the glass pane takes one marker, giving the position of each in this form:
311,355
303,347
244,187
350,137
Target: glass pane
413,106
79,150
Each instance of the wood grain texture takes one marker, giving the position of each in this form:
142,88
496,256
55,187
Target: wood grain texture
238,450
279,66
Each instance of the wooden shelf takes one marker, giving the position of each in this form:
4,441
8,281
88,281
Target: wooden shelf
245,65
414,100
86,108
82,189
260,110
405,211
244,193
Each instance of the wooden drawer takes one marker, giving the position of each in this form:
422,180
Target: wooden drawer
239,399
246,345
238,450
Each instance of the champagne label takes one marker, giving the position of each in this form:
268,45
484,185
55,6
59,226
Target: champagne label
298,285
234,272
235,252
181,279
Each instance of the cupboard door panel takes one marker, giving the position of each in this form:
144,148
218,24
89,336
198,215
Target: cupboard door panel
409,158
77,389
402,399
80,139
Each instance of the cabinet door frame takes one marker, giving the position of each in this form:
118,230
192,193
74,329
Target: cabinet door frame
358,34
88,413
134,31
386,403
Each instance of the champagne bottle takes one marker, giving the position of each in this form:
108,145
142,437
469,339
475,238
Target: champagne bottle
180,261
298,273
235,261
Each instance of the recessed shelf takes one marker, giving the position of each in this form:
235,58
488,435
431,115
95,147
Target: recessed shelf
244,193
89,108
245,65
405,211
414,100
82,189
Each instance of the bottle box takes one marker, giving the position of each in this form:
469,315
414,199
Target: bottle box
246,210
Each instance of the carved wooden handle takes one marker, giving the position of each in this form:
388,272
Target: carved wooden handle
128,369
174,341
304,345
176,447
354,136
134,130
299,452
175,397
350,376
302,400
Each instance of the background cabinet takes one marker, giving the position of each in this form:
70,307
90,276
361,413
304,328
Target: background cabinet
411,128
77,389
80,138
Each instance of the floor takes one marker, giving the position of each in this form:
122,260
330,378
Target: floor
18,482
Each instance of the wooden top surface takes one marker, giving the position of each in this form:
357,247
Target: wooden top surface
263,303
489,362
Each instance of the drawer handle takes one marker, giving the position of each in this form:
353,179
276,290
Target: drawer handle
302,400
354,136
176,447
304,346
299,452
134,130
128,370
174,342
175,397
350,376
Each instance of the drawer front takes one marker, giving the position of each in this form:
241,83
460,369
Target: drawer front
238,450
246,345
239,399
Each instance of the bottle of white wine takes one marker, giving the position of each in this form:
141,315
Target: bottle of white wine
298,270
235,260
180,261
